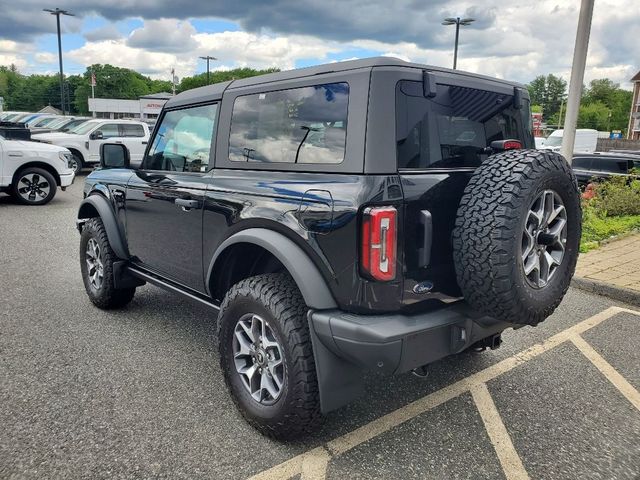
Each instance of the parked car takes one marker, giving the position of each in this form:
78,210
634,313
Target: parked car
41,120
84,141
586,141
364,215
600,166
31,172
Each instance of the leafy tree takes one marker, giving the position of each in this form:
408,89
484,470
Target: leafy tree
609,94
200,80
549,92
594,115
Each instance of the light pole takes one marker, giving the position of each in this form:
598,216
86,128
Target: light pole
577,76
207,58
57,12
457,22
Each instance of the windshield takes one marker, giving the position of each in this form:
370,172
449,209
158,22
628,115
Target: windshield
58,121
83,128
553,142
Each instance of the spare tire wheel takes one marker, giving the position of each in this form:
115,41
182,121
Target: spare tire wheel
517,235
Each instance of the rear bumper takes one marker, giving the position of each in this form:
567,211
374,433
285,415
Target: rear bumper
344,345
399,343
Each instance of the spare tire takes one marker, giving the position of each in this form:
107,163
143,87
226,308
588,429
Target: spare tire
517,235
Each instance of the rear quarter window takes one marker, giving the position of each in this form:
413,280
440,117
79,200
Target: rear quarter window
306,125
454,128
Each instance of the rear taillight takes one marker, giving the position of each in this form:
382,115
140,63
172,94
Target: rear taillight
379,243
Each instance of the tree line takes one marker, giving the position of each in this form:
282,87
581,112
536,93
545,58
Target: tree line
33,92
604,105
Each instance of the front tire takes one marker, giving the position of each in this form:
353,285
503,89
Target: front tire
96,264
76,163
34,186
267,358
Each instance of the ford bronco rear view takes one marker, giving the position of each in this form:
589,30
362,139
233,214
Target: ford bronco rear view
365,215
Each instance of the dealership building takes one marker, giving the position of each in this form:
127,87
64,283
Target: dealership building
147,107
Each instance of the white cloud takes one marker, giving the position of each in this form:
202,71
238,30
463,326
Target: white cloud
232,49
45,57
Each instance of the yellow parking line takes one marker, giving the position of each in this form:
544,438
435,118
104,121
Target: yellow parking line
391,420
608,371
500,439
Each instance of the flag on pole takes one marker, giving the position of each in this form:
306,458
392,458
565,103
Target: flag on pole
93,79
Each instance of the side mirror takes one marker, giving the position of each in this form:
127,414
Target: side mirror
97,135
114,155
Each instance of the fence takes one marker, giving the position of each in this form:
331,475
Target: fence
606,144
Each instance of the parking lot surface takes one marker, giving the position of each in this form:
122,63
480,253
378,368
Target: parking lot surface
138,393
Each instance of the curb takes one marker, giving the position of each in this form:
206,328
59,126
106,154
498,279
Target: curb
625,295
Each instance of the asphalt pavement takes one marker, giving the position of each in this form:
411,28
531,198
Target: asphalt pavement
138,393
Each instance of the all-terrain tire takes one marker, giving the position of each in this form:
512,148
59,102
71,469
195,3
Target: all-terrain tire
487,238
104,295
275,298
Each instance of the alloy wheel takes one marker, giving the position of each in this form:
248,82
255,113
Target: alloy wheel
33,187
95,267
258,359
544,238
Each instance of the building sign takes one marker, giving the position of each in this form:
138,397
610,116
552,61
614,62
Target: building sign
615,134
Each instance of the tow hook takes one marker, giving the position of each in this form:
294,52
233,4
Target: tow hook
493,342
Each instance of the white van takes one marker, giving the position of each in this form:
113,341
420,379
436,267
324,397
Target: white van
586,141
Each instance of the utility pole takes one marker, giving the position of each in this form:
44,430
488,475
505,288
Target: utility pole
560,115
577,77
57,12
457,22
207,58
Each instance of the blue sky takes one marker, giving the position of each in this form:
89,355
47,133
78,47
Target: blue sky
513,39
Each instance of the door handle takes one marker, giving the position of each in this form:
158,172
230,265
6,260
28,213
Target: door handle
186,204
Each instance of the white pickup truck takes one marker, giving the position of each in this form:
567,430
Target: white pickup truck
84,141
31,172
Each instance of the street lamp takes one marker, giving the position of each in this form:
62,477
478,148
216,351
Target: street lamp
207,58
57,12
457,22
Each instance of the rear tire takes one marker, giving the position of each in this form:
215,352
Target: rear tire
96,264
34,186
502,230
287,404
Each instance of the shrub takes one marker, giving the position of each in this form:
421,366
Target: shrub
618,196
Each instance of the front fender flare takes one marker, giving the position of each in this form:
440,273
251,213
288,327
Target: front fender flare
312,285
101,205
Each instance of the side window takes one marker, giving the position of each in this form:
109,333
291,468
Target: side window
582,162
131,130
109,130
183,140
299,125
610,165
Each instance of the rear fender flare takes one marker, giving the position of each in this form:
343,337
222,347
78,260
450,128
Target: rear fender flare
101,205
312,285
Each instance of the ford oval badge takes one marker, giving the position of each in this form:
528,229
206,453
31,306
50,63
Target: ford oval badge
423,287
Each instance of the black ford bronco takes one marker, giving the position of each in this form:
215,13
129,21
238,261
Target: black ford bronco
365,215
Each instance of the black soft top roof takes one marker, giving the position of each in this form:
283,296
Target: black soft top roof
215,91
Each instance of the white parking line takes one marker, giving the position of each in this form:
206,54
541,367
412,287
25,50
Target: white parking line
315,461
500,439
608,371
